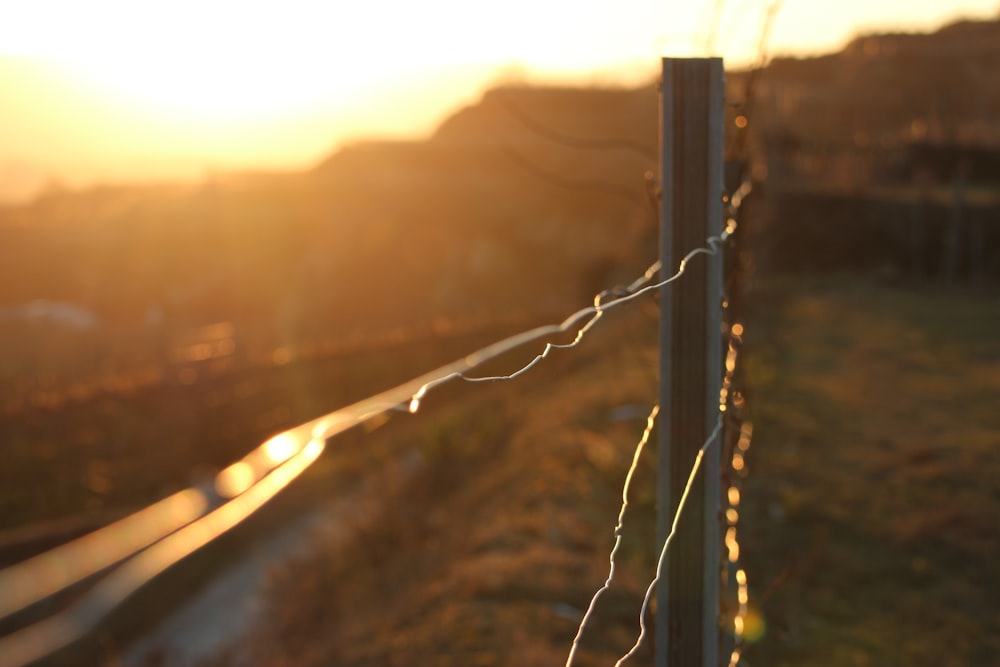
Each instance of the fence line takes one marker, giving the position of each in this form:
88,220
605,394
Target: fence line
594,312
727,398
670,536
36,641
180,524
650,423
139,547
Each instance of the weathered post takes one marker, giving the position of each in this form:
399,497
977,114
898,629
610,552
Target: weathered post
687,601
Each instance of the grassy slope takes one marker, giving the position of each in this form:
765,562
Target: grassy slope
488,549
874,493
869,517
112,452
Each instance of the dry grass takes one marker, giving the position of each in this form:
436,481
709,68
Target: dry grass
869,522
486,545
874,486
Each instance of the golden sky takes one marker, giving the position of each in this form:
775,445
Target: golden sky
128,90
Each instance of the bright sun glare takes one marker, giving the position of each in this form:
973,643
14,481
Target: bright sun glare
214,61
205,60
220,61
123,91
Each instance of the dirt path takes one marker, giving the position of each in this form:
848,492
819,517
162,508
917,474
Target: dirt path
228,607
219,616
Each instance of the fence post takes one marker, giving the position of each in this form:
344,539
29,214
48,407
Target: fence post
687,601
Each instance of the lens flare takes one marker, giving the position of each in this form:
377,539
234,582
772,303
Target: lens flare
281,447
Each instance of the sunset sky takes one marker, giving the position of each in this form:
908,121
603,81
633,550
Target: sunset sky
124,91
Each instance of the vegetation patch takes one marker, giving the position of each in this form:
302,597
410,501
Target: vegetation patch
872,497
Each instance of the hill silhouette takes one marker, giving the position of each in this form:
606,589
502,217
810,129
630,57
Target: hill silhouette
525,203
379,233
528,187
845,116
518,208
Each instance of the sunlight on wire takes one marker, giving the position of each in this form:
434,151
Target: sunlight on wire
34,642
741,625
636,289
47,573
650,422
592,314
730,396
670,537
245,485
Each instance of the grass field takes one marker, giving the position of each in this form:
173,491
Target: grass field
870,512
875,480
869,520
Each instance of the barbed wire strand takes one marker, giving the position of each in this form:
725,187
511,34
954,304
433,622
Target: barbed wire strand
650,423
696,466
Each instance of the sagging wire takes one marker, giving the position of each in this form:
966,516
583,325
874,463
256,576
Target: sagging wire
321,428
593,313
650,422
726,397
584,143
637,288
708,42
581,143
731,514
739,139
661,562
588,185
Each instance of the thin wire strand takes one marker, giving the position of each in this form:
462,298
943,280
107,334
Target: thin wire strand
584,143
588,185
712,30
732,405
261,470
594,312
666,543
261,461
650,423
735,202
739,139
733,549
